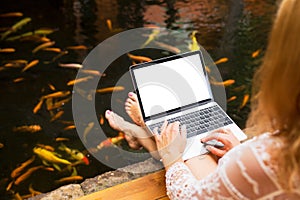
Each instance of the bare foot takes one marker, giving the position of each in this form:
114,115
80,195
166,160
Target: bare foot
132,108
118,123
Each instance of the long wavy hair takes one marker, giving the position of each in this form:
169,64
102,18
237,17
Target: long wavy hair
275,103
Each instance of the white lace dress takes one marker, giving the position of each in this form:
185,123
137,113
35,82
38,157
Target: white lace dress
245,172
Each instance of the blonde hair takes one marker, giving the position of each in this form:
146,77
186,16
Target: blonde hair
275,100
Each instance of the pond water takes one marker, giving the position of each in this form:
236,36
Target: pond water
232,29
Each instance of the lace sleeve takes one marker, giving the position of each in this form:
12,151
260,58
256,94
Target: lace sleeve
181,184
244,172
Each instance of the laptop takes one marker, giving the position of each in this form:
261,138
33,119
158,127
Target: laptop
177,88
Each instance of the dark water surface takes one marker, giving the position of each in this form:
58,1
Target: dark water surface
226,28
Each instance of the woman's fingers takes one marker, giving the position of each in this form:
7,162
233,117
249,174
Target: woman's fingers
215,151
221,137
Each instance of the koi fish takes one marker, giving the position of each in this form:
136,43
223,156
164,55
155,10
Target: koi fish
71,65
75,154
101,120
139,58
59,104
16,172
1,145
43,46
38,106
15,27
110,89
224,83
221,60
70,127
69,179
168,47
245,100
57,115
31,128
151,37
29,65
33,191
12,14
47,147
92,72
87,130
7,50
50,157
110,141
27,174
109,24
51,87
193,46
56,94
57,57
60,139
79,80
53,49
78,47
43,31
255,53
17,80
231,99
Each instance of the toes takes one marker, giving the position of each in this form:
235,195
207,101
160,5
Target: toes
132,96
108,114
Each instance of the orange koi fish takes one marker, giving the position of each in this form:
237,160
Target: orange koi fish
43,46
7,50
24,176
231,99
60,139
79,80
57,115
53,49
16,172
245,100
110,89
110,141
109,24
70,127
38,106
255,53
69,179
221,60
224,83
92,72
12,14
31,128
139,58
59,104
78,47
51,87
56,94
17,80
31,64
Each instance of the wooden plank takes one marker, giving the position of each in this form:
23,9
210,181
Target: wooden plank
151,186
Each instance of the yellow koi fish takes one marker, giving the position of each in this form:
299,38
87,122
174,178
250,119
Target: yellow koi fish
75,154
151,37
49,156
15,27
194,46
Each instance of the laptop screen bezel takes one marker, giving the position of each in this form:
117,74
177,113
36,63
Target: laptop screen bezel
166,59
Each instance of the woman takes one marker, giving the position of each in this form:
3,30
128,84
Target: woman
265,167
268,166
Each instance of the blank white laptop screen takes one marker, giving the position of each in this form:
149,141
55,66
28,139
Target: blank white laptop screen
171,84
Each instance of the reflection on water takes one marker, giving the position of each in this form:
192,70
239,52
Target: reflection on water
231,29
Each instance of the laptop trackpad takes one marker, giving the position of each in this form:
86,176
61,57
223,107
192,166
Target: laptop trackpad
194,148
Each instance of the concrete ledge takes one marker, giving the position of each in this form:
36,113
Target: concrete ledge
103,181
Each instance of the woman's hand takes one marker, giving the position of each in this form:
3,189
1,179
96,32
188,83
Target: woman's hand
224,136
170,142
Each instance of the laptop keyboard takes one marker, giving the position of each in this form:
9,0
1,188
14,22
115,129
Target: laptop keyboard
200,121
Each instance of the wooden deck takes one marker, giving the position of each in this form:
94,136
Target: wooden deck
150,187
